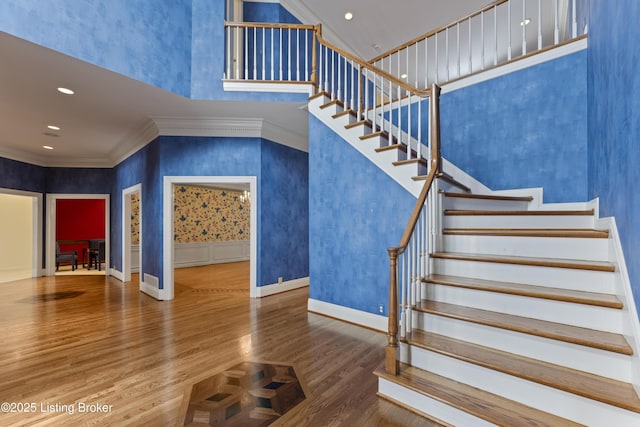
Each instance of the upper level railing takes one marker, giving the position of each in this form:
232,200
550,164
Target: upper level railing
498,33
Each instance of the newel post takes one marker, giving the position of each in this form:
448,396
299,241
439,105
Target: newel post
392,359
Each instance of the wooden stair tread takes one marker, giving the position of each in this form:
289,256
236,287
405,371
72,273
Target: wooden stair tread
400,147
556,294
359,123
333,102
482,404
531,261
529,232
572,334
320,94
344,113
373,135
468,212
602,389
488,197
410,162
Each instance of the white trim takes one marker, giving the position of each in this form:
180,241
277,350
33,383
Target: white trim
207,253
516,65
167,292
133,142
152,291
50,250
351,315
276,288
36,228
267,86
126,231
117,274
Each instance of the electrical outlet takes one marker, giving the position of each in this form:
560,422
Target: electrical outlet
381,308
279,280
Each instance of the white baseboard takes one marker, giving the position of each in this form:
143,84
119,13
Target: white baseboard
117,274
276,288
362,318
150,290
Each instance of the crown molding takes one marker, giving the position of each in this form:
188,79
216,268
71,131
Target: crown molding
22,156
230,127
133,142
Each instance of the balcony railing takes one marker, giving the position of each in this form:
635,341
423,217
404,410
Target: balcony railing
497,34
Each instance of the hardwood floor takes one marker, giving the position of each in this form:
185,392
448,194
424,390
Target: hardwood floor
70,341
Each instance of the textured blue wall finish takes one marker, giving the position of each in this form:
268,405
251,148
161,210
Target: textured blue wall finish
356,212
148,40
614,121
524,129
21,176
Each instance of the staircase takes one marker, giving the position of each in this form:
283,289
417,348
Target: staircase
520,320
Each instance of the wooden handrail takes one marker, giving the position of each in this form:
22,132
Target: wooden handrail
392,361
437,30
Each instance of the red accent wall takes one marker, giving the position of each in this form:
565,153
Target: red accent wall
79,219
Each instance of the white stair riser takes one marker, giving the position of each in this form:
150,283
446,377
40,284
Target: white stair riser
548,399
564,278
584,316
425,404
587,249
458,203
518,221
599,362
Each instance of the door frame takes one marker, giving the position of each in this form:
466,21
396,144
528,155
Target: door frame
167,292
126,232
36,228
51,228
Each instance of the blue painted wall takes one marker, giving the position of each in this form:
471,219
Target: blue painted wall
525,129
356,212
148,40
79,180
21,176
614,121
284,213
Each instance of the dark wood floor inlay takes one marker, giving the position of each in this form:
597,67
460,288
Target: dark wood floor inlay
247,394
56,296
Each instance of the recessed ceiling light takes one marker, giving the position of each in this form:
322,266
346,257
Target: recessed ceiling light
525,21
348,16
65,90
403,76
47,147
53,127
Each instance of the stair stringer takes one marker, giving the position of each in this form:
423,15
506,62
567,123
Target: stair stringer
631,322
403,175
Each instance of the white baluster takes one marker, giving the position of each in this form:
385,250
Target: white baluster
458,45
539,25
339,78
403,300
574,24
374,103
524,27
229,54
495,34
246,53
326,69
306,55
482,40
426,63
264,66
417,60
272,56
446,49
470,50
436,78
509,30
353,86
359,77
321,69
297,54
280,69
419,128
255,54
556,29
289,48
346,84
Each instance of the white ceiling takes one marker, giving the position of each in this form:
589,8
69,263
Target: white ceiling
110,116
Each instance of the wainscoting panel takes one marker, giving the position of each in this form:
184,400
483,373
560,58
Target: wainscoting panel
194,254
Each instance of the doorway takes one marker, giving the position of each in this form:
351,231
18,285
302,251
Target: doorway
52,201
168,225
131,232
21,231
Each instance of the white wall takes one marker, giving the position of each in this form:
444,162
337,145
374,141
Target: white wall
15,232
